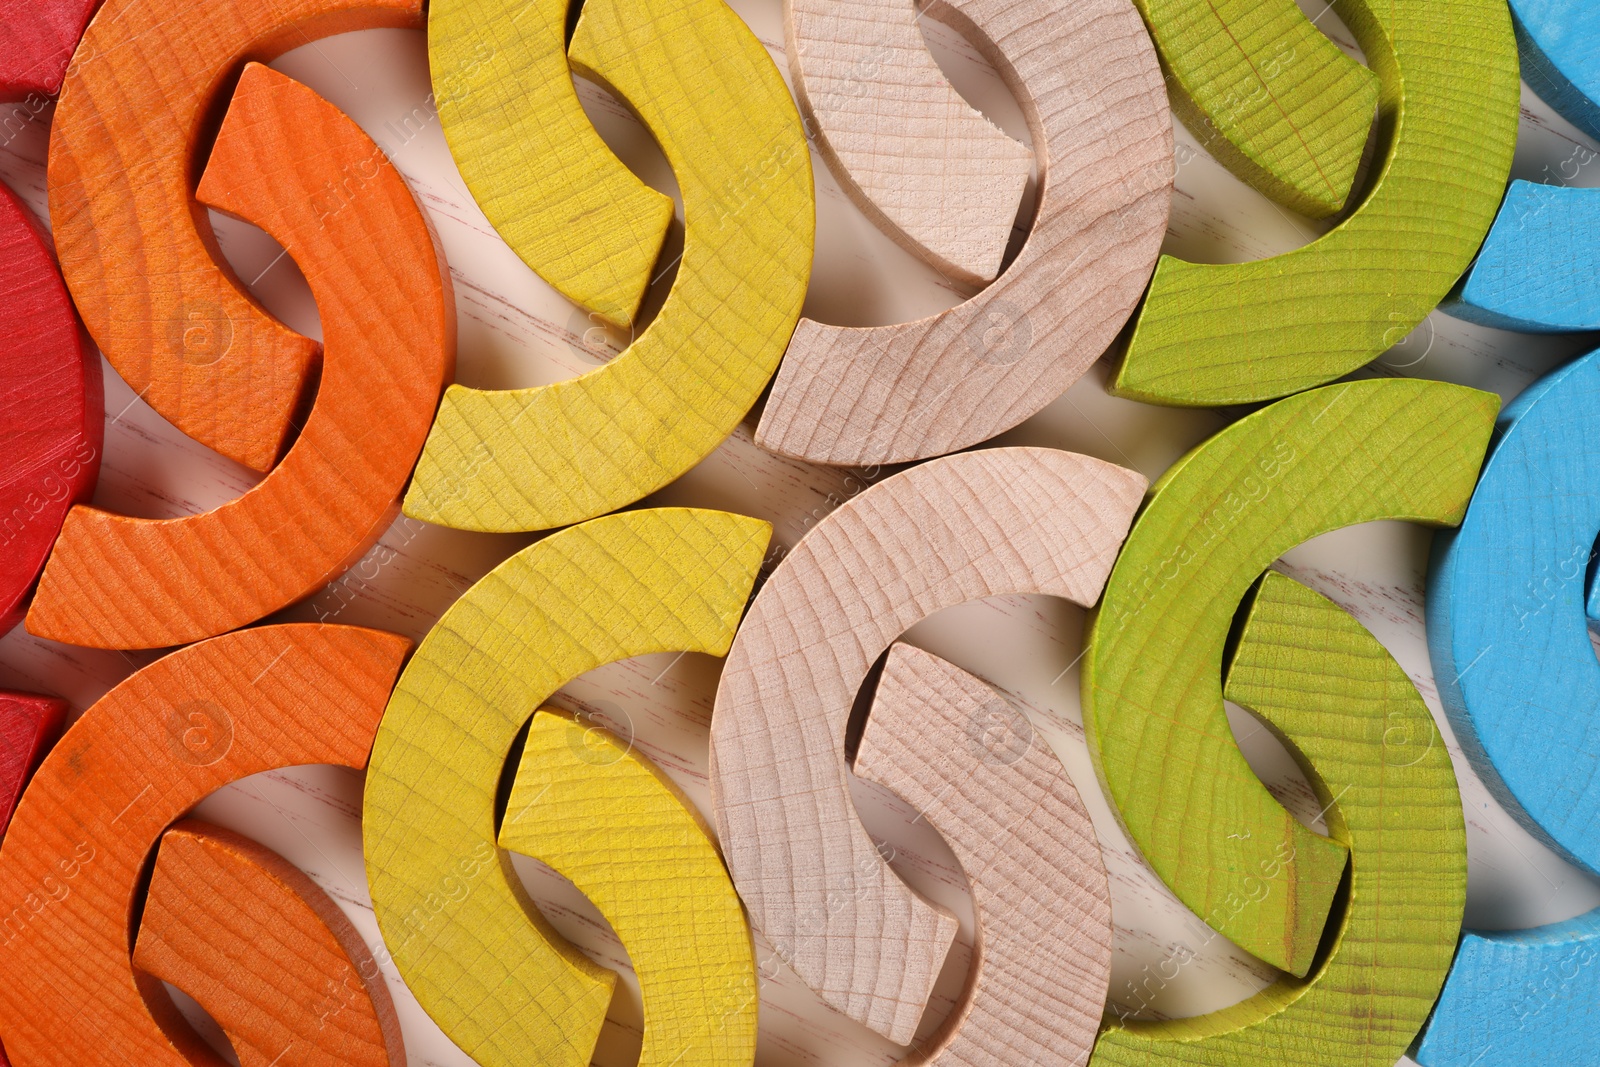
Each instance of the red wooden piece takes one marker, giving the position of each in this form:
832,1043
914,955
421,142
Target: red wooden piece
29,725
37,39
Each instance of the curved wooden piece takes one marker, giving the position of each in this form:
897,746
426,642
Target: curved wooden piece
37,38
71,864
1519,996
265,952
1558,40
916,158
497,979
136,248
29,726
1538,271
1369,746
1042,961
533,459
1152,698
1010,520
1087,78
532,160
389,319
1447,120
1507,631
1267,94
604,818
52,412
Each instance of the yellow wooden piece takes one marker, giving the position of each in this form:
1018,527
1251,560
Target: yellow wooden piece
532,160
601,815
532,459
496,978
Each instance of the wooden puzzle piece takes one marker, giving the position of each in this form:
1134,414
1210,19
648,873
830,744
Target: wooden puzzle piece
1507,631
37,38
603,817
52,412
1519,996
940,739
1558,39
531,158
389,319
1087,77
1370,748
1268,95
919,161
482,962
987,523
72,861
1538,271
1152,699
1212,333
136,248
29,726
265,952
533,459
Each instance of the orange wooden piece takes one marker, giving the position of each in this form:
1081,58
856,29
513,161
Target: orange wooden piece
141,96
70,866
389,317
268,954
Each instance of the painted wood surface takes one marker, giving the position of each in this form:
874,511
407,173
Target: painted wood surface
37,38
533,459
268,954
979,524
1087,78
488,968
1152,697
389,315
532,159
1315,676
51,406
29,726
601,815
138,252
1558,39
955,750
1537,271
71,863
1213,333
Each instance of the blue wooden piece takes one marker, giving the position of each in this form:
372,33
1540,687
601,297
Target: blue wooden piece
1507,631
1520,997
1539,270
1559,43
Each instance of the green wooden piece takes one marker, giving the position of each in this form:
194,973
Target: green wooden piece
1153,705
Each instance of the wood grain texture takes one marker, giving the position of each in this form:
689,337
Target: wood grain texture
948,744
1088,81
1538,270
531,159
1447,120
912,154
533,459
1152,698
37,38
483,963
137,249
71,864
979,524
1370,747
588,805
1558,39
1507,631
268,955
52,412
29,726
1268,95
389,320
1519,996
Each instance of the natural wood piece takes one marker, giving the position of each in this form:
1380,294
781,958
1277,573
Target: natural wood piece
482,962
1268,95
988,523
1042,961
71,864
1087,78
533,459
52,413
1538,271
1152,698
919,161
531,158
137,250
1447,123
37,38
389,319
1371,750
29,726
1558,41
266,953
605,818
